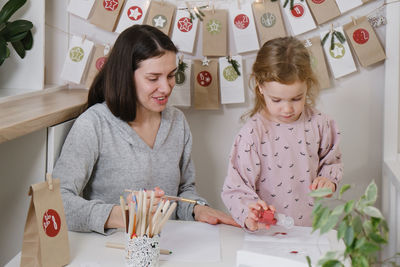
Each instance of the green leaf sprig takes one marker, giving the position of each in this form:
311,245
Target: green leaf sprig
195,12
333,34
234,64
291,3
182,66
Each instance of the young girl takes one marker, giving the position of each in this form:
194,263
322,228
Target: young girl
286,148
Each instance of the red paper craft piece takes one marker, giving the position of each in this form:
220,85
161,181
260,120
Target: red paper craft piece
267,217
294,252
280,233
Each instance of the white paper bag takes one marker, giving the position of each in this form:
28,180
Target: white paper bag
80,8
184,31
133,13
340,58
76,60
231,83
346,5
181,95
244,29
299,17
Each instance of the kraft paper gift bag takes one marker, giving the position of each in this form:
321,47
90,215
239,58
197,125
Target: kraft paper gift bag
180,95
106,13
80,8
160,15
231,80
184,31
323,10
244,28
364,41
206,91
96,64
215,33
299,17
46,235
133,13
318,62
269,21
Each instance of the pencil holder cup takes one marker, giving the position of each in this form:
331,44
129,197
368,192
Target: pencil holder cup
142,251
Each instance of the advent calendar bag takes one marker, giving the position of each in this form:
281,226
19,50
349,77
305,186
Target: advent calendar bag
46,235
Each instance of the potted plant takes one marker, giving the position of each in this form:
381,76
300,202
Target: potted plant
359,224
17,32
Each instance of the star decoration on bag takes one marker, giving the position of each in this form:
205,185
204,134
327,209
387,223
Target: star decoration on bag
134,13
159,21
205,61
185,24
110,4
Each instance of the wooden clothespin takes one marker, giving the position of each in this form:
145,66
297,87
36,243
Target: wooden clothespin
49,180
107,49
332,28
180,58
353,19
238,4
83,38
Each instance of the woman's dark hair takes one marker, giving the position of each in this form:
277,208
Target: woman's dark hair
114,83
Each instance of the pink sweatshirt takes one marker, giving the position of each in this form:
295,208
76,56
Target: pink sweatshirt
277,162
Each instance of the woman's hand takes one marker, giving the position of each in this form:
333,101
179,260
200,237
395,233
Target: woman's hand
322,182
251,221
212,216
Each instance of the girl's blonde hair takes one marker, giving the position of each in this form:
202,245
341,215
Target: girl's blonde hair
284,60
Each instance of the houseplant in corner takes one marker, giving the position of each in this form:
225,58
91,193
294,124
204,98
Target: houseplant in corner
17,32
359,224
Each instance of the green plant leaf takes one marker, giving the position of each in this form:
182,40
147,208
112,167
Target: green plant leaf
332,263
348,236
3,51
332,221
368,248
373,212
349,206
367,226
357,225
321,218
19,48
343,189
377,238
360,261
338,210
18,26
16,37
323,192
9,9
371,192
308,261
28,41
341,230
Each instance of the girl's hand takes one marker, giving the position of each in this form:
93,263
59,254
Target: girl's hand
212,216
158,194
322,182
251,221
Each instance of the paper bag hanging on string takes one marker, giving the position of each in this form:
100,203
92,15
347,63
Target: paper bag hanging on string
340,58
323,10
318,62
80,8
215,32
184,31
180,95
96,64
45,241
269,21
133,13
106,13
231,80
76,59
160,15
244,29
364,41
299,17
346,5
206,84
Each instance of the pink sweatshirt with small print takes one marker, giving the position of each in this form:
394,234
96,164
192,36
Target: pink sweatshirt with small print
277,163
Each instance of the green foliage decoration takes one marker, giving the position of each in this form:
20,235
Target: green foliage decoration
17,32
359,224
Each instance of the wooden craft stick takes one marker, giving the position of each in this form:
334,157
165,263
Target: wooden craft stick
131,216
155,218
150,214
144,213
139,213
166,217
121,246
122,203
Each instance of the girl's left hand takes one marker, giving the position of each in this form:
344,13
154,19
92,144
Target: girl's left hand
212,216
322,182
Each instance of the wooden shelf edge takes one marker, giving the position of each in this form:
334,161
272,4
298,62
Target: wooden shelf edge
25,115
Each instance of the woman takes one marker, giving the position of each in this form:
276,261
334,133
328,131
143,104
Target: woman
129,138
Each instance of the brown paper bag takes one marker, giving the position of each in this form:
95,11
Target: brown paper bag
364,41
161,15
106,13
323,10
215,33
318,62
46,235
96,64
269,21
206,85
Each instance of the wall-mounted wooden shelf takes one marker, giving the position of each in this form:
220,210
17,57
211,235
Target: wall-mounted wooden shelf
27,114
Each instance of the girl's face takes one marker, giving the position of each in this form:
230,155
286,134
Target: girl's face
154,81
284,102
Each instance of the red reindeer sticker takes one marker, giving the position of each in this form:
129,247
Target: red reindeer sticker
51,223
204,78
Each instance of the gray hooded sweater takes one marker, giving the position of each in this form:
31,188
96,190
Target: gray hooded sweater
102,155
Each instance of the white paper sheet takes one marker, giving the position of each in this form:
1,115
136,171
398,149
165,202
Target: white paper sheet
244,29
80,8
231,84
133,13
181,95
191,242
340,58
346,5
184,31
76,59
299,17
